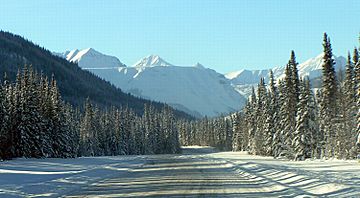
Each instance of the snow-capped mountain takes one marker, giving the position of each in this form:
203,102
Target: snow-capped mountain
194,89
311,68
151,60
90,58
244,80
197,91
245,77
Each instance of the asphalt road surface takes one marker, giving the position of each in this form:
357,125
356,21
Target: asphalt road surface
200,172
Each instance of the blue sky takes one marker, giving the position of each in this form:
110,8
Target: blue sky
222,35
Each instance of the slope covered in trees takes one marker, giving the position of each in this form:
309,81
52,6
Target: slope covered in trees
36,122
288,120
74,83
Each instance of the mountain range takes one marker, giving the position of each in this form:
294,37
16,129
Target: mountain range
243,80
75,84
195,89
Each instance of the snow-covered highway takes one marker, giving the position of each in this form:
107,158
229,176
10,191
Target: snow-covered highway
198,172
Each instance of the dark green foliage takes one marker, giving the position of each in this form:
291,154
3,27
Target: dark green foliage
288,121
75,84
35,122
329,97
306,126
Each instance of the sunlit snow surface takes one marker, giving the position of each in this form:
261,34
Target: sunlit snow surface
195,89
311,68
198,171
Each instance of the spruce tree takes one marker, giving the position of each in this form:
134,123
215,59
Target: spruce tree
358,125
302,142
268,127
4,135
238,136
278,145
356,66
87,131
295,77
260,136
312,118
283,137
272,113
290,99
357,144
251,120
357,83
329,99
61,134
6,132
29,127
349,110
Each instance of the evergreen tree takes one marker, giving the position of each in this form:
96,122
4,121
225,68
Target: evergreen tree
46,112
268,127
272,113
329,99
228,134
87,131
260,136
4,136
294,77
110,132
357,84
305,125
278,144
150,130
356,66
35,122
281,138
29,128
238,137
61,134
288,109
251,120
348,136
358,127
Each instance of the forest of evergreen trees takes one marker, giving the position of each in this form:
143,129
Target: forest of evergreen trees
284,119
36,122
289,119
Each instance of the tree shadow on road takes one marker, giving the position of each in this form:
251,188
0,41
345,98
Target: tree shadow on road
169,176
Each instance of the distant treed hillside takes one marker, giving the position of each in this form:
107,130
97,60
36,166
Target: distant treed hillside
74,83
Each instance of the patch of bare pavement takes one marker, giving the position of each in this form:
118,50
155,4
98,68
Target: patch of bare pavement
203,172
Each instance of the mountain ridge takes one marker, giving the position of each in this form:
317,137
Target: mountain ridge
311,68
151,60
154,78
74,83
90,58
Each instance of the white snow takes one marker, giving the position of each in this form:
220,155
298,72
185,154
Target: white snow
195,90
311,68
151,60
245,77
334,178
56,177
90,58
199,171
